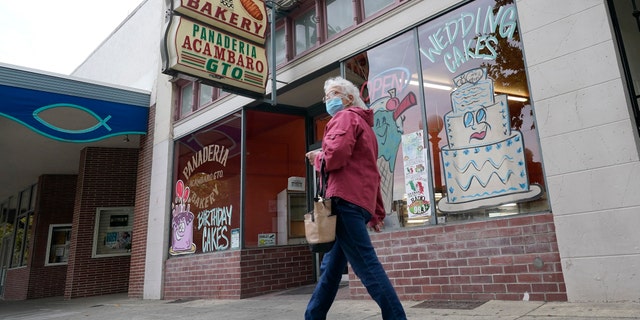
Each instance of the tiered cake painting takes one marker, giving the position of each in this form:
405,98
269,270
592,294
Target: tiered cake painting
484,161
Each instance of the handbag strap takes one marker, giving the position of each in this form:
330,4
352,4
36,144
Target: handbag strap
321,186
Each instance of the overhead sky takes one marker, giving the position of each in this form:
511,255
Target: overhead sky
57,35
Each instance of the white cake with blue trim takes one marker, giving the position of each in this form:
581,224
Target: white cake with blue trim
484,158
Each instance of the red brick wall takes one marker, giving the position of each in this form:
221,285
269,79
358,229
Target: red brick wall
17,282
141,212
54,205
483,260
106,178
237,274
265,270
213,276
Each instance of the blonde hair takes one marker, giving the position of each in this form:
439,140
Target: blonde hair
346,87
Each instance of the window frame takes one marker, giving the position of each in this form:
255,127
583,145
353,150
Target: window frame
97,231
303,11
66,227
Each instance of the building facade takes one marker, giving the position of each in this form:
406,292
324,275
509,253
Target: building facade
507,155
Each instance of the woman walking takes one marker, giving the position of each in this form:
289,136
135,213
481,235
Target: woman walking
350,151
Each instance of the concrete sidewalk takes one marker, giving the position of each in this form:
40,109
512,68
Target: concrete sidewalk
290,305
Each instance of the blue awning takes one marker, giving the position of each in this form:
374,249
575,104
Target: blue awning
27,96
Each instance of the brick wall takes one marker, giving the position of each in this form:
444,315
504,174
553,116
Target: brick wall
141,212
237,274
497,259
265,270
106,178
54,205
17,282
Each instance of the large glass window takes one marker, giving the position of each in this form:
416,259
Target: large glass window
205,212
471,149
482,133
340,16
275,201
388,78
305,31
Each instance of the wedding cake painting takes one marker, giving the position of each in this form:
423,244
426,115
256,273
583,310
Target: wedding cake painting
484,160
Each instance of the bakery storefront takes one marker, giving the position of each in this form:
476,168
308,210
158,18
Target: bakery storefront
460,161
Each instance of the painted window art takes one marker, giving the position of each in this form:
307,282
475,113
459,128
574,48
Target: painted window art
455,123
482,131
206,207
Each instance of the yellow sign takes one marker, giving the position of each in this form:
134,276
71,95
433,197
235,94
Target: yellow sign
244,18
201,51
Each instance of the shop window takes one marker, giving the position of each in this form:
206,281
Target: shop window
58,244
281,46
112,232
446,149
205,212
480,115
372,7
275,196
305,31
387,76
340,16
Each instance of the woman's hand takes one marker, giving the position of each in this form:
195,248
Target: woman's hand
377,227
311,155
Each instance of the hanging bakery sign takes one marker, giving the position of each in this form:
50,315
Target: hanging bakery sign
217,45
244,18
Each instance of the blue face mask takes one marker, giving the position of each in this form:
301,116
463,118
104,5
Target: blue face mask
334,105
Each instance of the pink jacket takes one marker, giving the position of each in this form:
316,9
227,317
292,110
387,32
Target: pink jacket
350,151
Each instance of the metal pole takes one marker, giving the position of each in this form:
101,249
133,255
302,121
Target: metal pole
274,86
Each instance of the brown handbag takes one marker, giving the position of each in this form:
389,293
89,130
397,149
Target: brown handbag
320,224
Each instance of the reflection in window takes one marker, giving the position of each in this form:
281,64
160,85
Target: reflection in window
281,49
339,16
373,6
385,75
305,31
186,99
205,95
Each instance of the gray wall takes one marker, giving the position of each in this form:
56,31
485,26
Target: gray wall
588,143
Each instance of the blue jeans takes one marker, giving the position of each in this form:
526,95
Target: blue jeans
353,245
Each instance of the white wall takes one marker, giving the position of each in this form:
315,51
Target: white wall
588,145
131,57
